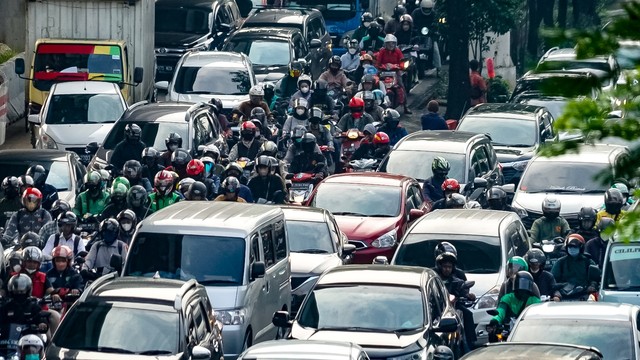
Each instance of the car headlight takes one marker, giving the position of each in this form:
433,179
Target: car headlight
386,240
489,299
231,317
48,142
520,211
418,355
519,165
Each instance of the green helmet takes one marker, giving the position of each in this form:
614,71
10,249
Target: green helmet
121,180
624,189
515,264
119,191
440,164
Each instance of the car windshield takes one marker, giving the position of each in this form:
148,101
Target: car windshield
211,260
559,177
84,109
628,57
565,86
309,236
606,336
623,268
101,327
376,308
212,80
555,106
359,199
417,164
479,255
262,52
153,133
57,176
180,19
503,131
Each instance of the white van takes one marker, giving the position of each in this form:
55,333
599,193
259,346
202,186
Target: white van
239,252
621,273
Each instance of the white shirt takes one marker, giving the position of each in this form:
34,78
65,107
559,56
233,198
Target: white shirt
48,248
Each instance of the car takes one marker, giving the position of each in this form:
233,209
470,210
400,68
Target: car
523,350
374,210
184,25
139,318
516,132
309,21
610,328
620,273
270,50
554,89
605,68
316,245
77,111
485,240
471,155
627,56
65,172
203,75
393,312
239,252
569,177
304,350
193,122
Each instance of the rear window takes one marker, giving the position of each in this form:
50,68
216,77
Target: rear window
57,172
153,133
623,268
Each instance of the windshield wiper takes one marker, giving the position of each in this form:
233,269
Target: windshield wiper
311,251
217,281
156,352
349,213
106,76
626,288
557,191
107,349
203,92
481,271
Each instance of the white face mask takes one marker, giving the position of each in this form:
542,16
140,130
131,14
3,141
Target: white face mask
173,147
352,51
31,271
126,226
17,268
300,112
304,89
366,24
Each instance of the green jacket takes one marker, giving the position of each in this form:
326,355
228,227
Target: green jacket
573,270
544,229
510,306
87,205
160,202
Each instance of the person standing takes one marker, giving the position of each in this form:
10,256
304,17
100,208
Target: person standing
478,85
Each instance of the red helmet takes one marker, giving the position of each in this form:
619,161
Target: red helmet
62,251
248,126
163,182
381,138
31,198
195,167
356,105
575,240
451,185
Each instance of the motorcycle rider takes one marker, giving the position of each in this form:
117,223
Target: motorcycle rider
514,265
138,201
21,307
322,134
321,99
234,170
266,187
597,246
213,152
304,90
497,199
512,304
92,201
31,260
197,192
67,223
587,227
256,99
388,57
373,41
150,165
365,21
32,217
404,33
366,148
59,206
49,192
573,268
179,160
63,277
305,157
393,25
132,171
128,149
455,201
624,189
289,83
613,203
249,146
392,127
300,117
163,194
432,119
117,201
424,16
551,225
432,188
545,281
127,220
370,107
25,182
335,76
230,190
449,186
196,171
351,59
356,118
99,257
11,202
173,142
446,246
31,347
210,171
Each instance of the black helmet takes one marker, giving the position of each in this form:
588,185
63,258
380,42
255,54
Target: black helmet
497,198
11,186
173,139
259,114
399,10
67,218
391,116
137,197
25,181
315,115
30,239
263,160
335,60
368,78
604,224
217,105
366,17
59,206
230,185
444,258
443,352
132,132
524,282
109,229
587,213
374,30
38,174
32,253
150,155
269,90
298,132
308,142
613,201
197,192
132,169
268,148
444,247
94,183
20,285
180,158
127,216
535,256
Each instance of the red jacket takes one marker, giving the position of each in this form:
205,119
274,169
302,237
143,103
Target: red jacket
385,56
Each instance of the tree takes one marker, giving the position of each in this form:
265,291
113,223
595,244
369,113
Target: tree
490,16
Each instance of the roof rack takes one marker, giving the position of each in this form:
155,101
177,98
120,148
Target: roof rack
549,51
97,284
177,303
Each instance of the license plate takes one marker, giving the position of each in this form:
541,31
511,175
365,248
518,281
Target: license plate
85,158
299,186
387,74
165,68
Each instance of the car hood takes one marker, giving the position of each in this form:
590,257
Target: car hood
228,101
571,203
77,135
485,282
364,339
313,263
509,154
365,228
223,297
55,352
177,40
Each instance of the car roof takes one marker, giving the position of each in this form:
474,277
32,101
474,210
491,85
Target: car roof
304,213
368,178
157,112
225,59
478,222
580,311
140,288
376,274
302,349
262,32
437,141
567,54
508,110
213,218
88,87
33,155
279,16
598,153
521,351
549,74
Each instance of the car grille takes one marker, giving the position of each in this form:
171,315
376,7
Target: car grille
297,281
508,173
358,244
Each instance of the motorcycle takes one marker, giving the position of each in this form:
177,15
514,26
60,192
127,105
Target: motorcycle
328,155
409,66
350,143
301,187
552,250
363,165
428,52
10,334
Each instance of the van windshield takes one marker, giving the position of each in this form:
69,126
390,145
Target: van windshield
211,260
623,269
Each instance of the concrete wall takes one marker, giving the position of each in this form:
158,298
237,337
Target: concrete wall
500,51
11,105
12,23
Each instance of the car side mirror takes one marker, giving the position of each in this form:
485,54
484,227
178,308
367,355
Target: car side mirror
138,74
480,183
348,249
315,43
162,85
199,352
18,66
380,260
281,319
415,214
258,269
536,245
509,188
34,119
115,262
446,325
91,148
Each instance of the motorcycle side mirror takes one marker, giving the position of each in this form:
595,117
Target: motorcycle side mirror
480,183
115,262
424,31
381,260
348,249
80,260
492,312
536,245
91,148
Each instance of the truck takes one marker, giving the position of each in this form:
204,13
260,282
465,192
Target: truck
98,40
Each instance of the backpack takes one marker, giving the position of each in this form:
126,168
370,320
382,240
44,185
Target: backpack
76,242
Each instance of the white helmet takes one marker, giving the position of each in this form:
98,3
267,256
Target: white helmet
256,90
551,204
390,38
30,344
426,6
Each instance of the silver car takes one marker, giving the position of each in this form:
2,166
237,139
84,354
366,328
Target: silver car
305,350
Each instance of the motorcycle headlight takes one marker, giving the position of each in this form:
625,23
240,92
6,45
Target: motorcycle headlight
418,355
386,240
405,65
489,299
48,142
231,317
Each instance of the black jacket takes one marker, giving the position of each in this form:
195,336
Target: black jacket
49,195
596,248
307,163
266,187
27,312
126,151
68,279
545,282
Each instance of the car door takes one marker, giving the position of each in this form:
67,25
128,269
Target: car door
206,335
436,302
270,288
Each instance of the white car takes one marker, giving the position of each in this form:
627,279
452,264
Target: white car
203,75
76,113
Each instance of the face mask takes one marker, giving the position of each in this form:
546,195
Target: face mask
573,251
334,70
173,147
304,89
300,112
534,271
586,224
551,216
352,51
109,238
17,268
248,137
31,271
126,226
32,357
366,24
263,171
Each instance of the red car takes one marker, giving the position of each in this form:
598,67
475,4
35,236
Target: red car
373,209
